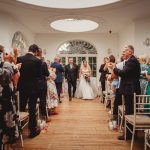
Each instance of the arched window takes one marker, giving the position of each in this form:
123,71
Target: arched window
77,47
80,50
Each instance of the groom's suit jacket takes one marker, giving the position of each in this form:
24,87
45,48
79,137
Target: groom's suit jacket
71,74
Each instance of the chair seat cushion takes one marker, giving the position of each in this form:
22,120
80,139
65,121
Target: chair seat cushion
23,115
140,119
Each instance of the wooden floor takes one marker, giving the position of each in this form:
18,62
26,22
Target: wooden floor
80,125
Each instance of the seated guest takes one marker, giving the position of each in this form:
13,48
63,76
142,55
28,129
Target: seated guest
28,85
143,59
52,96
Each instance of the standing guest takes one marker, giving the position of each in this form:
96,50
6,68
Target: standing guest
114,88
112,59
71,75
28,85
147,74
43,86
52,96
103,70
2,49
59,75
8,116
130,75
143,59
118,95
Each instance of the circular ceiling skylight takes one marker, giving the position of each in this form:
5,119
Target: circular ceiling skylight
69,4
74,25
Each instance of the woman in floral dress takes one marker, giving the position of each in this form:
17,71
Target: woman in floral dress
144,67
52,96
8,115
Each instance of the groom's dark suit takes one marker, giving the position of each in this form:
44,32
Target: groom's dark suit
71,74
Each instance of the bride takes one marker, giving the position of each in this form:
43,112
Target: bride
84,89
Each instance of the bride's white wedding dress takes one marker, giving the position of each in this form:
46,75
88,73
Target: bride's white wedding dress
84,89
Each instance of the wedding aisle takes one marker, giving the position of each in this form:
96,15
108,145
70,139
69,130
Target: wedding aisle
80,125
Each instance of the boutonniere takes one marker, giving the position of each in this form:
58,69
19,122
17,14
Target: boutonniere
74,66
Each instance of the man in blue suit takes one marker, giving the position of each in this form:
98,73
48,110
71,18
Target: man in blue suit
59,75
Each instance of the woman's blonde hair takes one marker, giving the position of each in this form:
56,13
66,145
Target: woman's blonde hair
143,59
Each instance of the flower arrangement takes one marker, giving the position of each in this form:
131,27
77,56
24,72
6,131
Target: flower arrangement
86,77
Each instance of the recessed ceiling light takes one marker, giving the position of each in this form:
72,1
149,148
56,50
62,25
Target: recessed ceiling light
69,4
74,25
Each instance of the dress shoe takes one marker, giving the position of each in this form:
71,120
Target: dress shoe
60,101
108,105
54,113
70,98
35,133
48,119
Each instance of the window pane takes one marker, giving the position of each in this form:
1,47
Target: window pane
63,60
74,59
77,47
94,73
94,59
90,60
94,66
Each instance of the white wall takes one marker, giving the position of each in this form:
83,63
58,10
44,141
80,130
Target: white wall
142,31
102,42
8,26
135,34
127,36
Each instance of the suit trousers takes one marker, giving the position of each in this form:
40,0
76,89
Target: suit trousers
59,88
29,97
129,104
42,97
70,85
129,109
117,102
103,85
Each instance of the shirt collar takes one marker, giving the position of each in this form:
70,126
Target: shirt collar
30,53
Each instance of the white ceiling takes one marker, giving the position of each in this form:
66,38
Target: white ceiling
110,17
68,4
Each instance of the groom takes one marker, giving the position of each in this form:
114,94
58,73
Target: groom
71,75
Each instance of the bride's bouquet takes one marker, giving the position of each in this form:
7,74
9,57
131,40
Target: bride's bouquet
86,77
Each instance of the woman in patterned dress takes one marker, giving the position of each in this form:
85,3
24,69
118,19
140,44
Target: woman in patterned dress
52,96
8,115
144,67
